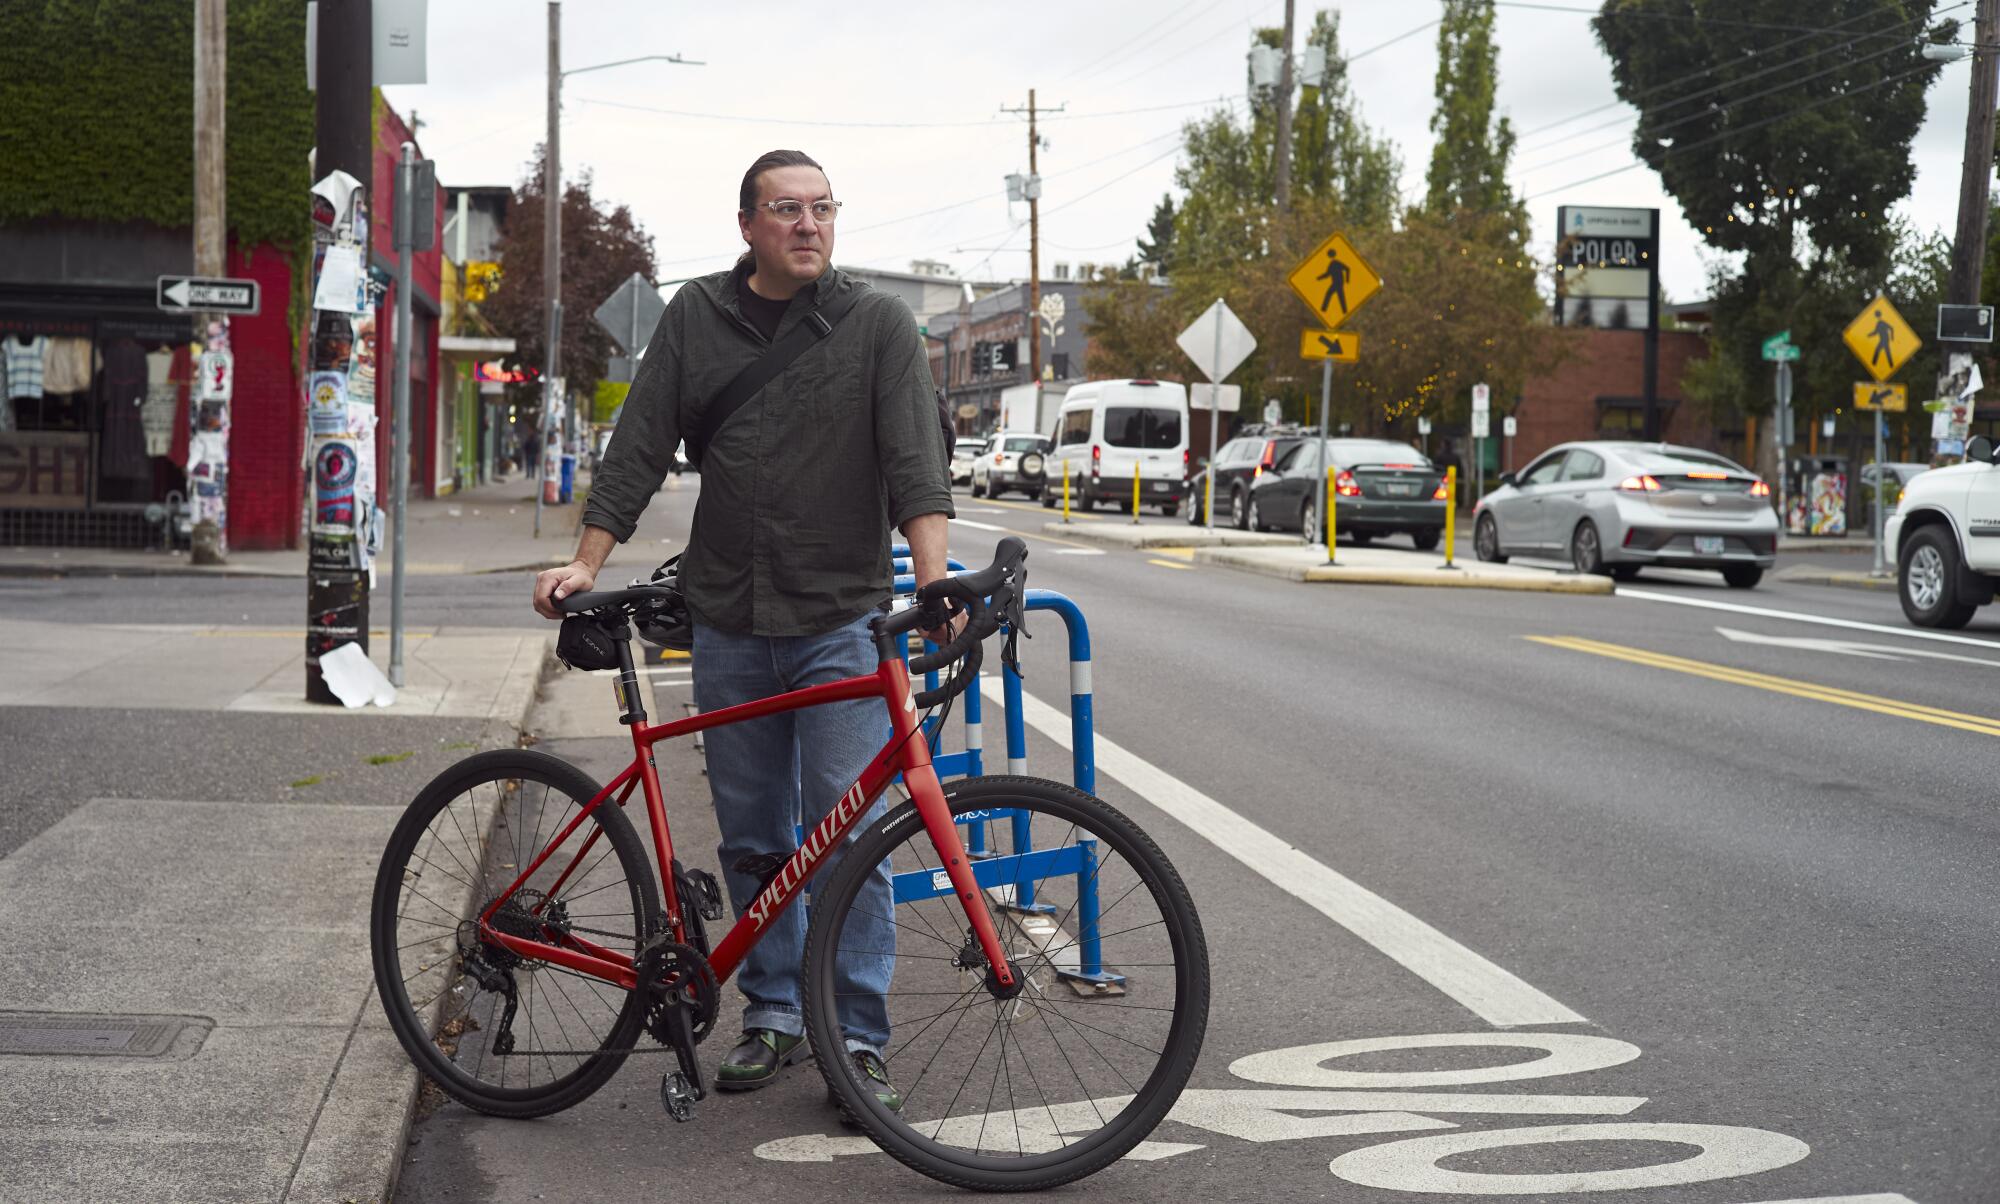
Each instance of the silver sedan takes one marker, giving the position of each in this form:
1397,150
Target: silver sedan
1614,508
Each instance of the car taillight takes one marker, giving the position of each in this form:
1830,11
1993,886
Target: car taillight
1439,495
1640,484
997,455
1759,489
1096,458
1343,484
1270,449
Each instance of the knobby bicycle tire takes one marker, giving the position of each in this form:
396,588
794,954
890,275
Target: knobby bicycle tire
1149,1103
411,1026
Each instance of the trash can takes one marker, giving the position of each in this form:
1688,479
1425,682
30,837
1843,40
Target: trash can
1818,505
569,478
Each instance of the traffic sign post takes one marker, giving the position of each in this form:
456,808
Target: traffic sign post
1218,342
629,315
1341,347
1333,281
1888,398
207,294
1482,429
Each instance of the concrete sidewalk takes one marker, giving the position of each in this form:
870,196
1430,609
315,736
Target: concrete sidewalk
487,529
187,1008
1275,554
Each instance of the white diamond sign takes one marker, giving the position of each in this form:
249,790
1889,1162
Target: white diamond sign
1217,356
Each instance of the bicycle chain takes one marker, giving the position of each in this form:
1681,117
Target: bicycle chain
705,1011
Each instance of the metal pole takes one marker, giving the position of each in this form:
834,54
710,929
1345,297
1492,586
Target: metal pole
1214,411
1881,483
399,433
551,253
1035,266
1326,499
1968,250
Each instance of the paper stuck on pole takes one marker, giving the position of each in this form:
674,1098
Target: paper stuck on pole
354,679
340,281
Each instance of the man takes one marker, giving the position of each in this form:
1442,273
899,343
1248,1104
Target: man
787,561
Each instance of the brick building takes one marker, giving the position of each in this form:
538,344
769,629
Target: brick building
1599,394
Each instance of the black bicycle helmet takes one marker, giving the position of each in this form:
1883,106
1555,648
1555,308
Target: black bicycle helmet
664,621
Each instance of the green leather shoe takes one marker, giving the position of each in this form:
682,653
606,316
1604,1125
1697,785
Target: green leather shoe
876,1076
758,1057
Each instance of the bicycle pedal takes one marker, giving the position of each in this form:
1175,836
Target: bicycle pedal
678,1095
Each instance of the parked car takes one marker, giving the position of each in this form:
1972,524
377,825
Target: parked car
1109,429
1012,461
963,453
1614,507
1946,538
1237,465
1381,487
1898,476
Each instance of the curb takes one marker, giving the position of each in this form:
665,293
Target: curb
362,1131
1154,536
1429,577
1837,580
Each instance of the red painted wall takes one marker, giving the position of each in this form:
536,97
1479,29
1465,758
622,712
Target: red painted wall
427,274
266,412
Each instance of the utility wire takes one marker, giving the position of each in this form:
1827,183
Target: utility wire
1699,144
889,125
1139,41
1650,16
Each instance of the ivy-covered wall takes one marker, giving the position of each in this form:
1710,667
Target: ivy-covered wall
97,114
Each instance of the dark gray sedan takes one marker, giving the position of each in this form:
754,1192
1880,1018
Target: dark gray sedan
1610,507
1380,488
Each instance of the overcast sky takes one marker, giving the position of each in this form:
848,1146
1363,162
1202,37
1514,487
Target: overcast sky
902,103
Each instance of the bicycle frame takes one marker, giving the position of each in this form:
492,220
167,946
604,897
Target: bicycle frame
907,753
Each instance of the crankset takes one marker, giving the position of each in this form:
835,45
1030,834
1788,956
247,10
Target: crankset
682,999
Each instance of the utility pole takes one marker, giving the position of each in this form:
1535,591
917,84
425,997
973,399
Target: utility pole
211,88
1968,250
1035,263
1283,174
551,256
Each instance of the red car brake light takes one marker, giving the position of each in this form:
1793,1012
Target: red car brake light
1096,458
1759,489
1439,494
1343,484
1644,483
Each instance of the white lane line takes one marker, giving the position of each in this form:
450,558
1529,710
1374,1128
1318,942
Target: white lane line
1493,994
1880,652
1079,551
1915,633
1879,1197
966,522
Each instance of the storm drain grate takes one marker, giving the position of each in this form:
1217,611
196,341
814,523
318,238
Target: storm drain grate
95,1035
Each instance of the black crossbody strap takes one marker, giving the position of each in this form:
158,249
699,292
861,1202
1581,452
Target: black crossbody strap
813,328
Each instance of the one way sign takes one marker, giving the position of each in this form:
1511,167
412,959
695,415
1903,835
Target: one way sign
1340,346
207,294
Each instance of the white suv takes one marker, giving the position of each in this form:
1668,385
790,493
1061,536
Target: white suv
1946,537
1013,461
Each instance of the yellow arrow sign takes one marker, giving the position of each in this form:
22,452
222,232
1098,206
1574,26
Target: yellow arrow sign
1340,346
1880,339
1334,280
1890,399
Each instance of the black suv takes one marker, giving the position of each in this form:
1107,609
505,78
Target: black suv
1237,467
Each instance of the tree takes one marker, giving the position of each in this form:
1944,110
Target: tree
1130,331
1470,150
601,247
1157,248
1334,153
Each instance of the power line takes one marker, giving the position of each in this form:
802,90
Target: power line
1140,40
886,125
1699,144
1206,40
1750,54
1702,18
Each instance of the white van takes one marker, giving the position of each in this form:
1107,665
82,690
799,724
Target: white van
1106,429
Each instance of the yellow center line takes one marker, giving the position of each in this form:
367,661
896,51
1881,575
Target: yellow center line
1169,564
1176,553
1778,685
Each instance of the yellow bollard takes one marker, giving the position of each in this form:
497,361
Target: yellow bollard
1450,513
1332,514
1208,502
1135,495
1065,491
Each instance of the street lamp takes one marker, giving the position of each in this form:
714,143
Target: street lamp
552,225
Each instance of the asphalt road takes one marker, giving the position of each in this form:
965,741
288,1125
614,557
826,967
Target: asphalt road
1734,871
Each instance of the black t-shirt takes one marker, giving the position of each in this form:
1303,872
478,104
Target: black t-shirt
764,314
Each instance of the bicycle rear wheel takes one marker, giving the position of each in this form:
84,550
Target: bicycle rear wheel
1012,1091
458,847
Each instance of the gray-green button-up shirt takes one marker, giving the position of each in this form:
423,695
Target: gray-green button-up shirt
800,488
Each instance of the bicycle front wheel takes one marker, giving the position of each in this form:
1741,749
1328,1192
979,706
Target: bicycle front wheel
507,1035
1001,1089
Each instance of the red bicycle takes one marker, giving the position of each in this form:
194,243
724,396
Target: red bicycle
1049,986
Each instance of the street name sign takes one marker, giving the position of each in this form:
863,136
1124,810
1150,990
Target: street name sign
1880,339
1889,398
1342,347
1334,281
1508,426
206,294
1218,341
1778,344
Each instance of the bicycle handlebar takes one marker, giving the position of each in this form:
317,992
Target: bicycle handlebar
992,596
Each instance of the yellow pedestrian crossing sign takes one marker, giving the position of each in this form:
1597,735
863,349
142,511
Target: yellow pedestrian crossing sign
1890,399
1340,346
1334,280
1880,339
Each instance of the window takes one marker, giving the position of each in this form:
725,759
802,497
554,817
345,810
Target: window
1059,363
1141,427
1583,466
1545,472
1076,427
1023,443
1295,455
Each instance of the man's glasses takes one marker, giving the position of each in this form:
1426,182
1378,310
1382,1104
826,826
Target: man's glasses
791,211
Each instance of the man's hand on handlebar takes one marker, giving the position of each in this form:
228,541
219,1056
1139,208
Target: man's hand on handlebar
943,633
553,585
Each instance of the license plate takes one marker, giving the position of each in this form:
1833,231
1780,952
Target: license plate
1399,489
1161,486
1708,545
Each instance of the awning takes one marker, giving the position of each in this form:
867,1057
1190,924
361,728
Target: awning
464,347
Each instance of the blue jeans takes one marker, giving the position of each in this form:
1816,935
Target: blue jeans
765,775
